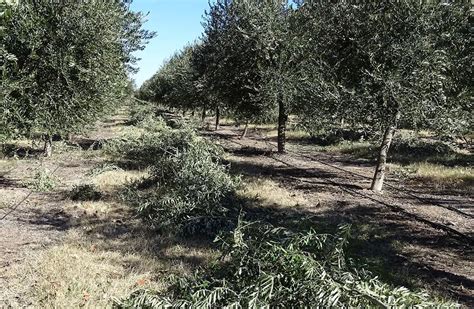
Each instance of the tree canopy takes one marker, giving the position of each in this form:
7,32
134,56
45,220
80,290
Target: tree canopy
377,65
68,63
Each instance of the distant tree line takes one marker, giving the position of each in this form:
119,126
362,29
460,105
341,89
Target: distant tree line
64,63
377,64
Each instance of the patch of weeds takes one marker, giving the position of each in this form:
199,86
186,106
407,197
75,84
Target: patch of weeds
411,145
140,112
85,192
103,168
264,267
187,187
359,149
63,147
268,193
442,176
42,181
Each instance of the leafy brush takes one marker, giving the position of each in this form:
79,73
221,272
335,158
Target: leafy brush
263,266
42,181
189,186
85,192
103,168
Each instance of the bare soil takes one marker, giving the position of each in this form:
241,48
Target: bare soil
31,221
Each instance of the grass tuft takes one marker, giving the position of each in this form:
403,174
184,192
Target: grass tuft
42,181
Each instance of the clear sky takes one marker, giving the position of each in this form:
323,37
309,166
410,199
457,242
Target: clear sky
176,22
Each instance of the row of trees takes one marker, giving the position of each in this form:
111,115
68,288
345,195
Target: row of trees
64,64
371,64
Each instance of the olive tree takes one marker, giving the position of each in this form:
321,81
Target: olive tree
380,63
247,52
228,61
71,64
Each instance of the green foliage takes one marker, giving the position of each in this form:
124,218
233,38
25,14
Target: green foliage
188,185
176,84
140,112
411,145
263,267
42,181
85,192
105,167
70,64
366,62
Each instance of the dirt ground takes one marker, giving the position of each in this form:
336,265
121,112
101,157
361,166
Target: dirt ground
412,234
31,221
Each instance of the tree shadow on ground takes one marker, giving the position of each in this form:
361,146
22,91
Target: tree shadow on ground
11,150
379,234
402,151
87,143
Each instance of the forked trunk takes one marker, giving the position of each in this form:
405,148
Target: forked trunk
244,133
379,175
218,115
282,119
48,146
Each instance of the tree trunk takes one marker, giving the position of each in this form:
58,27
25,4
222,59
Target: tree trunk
48,146
203,115
218,116
379,176
282,119
244,133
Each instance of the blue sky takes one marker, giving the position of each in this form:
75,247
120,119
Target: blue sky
176,22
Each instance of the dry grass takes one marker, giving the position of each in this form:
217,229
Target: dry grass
7,165
268,193
290,134
71,275
439,175
96,207
112,180
101,260
354,148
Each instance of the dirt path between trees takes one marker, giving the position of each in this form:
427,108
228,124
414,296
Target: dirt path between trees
29,220
416,231
406,234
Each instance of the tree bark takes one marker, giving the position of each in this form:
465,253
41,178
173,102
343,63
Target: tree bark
218,115
244,133
379,175
282,119
48,146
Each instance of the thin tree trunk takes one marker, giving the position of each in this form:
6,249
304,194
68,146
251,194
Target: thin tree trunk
218,115
244,133
48,146
282,119
203,115
379,175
